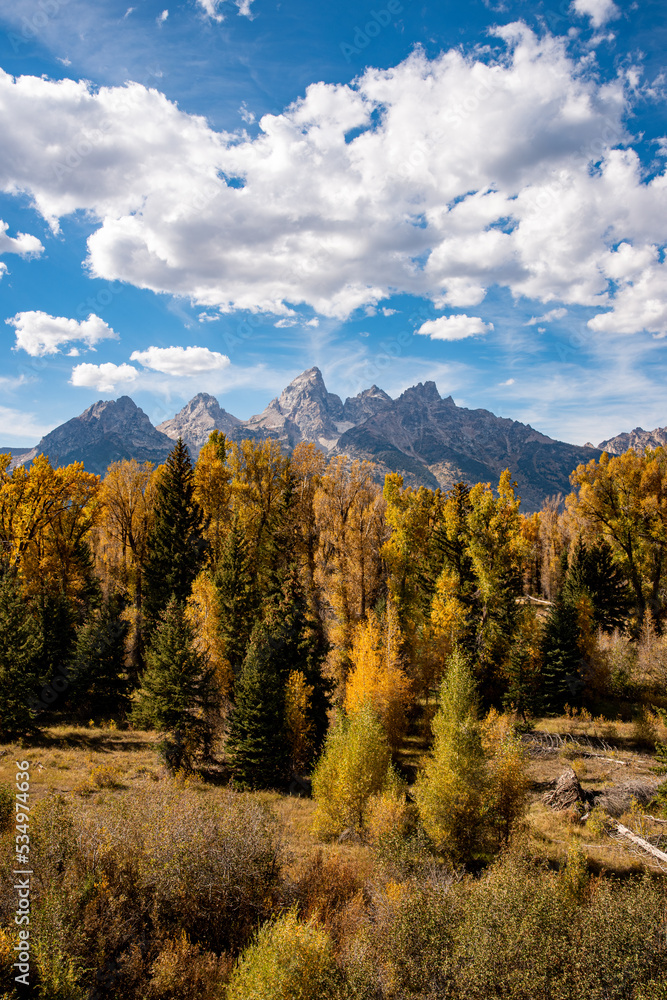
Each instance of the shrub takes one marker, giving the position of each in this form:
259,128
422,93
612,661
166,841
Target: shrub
355,764
182,971
507,778
288,959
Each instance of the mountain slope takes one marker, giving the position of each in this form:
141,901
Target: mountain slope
108,431
639,439
196,420
434,442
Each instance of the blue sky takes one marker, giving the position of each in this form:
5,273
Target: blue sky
213,196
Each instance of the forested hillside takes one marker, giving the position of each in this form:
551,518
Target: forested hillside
283,624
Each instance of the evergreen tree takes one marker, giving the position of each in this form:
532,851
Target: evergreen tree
58,634
561,657
592,571
298,643
237,597
100,682
19,660
176,691
257,744
450,790
175,545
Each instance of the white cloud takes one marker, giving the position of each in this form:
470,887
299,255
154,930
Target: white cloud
456,327
3,269
161,18
510,381
599,11
246,114
462,175
104,377
213,9
285,322
180,361
38,333
21,429
388,312
548,317
313,322
22,244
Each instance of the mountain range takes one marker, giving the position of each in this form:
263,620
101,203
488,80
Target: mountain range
429,440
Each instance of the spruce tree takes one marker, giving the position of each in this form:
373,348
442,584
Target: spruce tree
58,634
99,679
257,744
19,660
176,544
561,657
592,571
286,639
176,694
237,597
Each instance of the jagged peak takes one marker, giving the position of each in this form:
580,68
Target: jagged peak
427,391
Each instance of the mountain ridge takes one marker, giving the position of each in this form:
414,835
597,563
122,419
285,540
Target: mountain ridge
425,437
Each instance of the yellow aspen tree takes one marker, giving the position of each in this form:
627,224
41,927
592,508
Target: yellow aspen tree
299,725
508,783
202,611
213,492
376,675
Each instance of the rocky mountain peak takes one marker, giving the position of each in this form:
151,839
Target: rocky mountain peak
108,431
196,420
423,392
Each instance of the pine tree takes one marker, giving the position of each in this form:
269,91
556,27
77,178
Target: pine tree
19,661
176,689
298,644
450,790
257,743
99,678
561,657
175,545
592,571
237,597
58,634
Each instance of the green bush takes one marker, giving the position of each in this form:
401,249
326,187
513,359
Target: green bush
288,960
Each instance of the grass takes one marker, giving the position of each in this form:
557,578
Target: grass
95,763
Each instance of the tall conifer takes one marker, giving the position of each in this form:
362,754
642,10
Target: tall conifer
175,545
19,660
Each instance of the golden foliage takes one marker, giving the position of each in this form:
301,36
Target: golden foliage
298,695
202,612
377,676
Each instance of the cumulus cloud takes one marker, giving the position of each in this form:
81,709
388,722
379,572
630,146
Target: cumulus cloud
454,327
22,244
599,11
38,333
105,377
161,18
180,361
509,381
438,178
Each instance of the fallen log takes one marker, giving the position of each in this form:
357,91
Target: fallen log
640,842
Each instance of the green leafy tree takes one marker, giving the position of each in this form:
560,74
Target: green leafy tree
176,544
99,678
19,660
561,657
176,694
450,790
355,765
